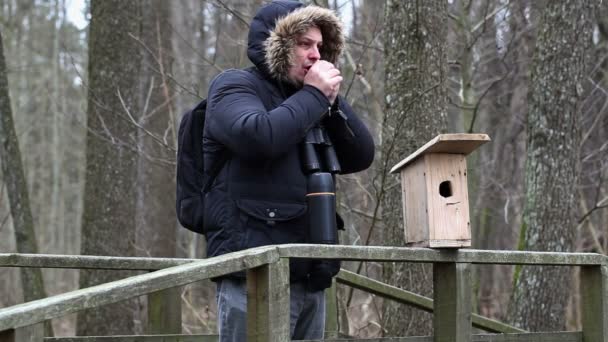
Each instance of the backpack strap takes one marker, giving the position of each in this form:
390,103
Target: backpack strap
226,156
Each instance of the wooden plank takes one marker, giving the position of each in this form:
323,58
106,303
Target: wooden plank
528,337
459,143
415,204
594,287
448,217
333,252
393,254
384,290
574,336
7,335
331,311
31,333
451,243
165,312
39,310
88,262
268,310
565,336
136,338
452,302
409,298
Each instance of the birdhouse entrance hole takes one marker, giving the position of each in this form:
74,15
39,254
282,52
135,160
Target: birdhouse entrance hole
445,189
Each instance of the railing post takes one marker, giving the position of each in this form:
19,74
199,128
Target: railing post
452,302
7,335
268,302
32,333
165,312
331,311
594,303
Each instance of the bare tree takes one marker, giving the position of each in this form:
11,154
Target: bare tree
552,168
594,152
363,88
108,224
155,213
14,179
489,48
488,41
156,224
416,111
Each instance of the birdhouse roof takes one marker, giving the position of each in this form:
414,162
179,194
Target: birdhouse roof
459,143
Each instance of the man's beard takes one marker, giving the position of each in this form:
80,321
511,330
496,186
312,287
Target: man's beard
295,82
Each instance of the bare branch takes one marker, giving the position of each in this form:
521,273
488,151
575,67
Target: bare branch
365,45
601,112
139,126
489,16
195,311
357,211
165,85
147,102
208,61
8,214
233,12
599,204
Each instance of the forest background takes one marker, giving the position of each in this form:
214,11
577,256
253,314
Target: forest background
95,105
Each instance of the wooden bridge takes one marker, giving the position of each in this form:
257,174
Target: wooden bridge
268,292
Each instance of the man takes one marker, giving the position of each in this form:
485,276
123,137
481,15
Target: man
259,117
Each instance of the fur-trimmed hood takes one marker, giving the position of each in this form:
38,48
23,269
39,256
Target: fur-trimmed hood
274,29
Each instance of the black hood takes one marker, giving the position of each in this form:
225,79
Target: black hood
261,26
273,32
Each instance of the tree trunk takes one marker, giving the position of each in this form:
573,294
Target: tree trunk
558,74
416,111
19,202
190,41
486,207
363,88
156,223
108,224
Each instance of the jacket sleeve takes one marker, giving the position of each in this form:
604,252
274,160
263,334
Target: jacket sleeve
352,140
238,119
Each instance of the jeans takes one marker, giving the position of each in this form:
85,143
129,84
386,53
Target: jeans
307,311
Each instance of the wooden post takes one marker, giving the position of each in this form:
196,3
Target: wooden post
331,311
594,303
7,336
268,303
165,312
32,333
452,302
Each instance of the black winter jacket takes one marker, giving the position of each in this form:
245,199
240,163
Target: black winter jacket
258,198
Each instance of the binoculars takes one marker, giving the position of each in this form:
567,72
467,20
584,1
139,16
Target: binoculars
320,163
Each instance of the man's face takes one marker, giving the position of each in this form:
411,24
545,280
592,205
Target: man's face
307,52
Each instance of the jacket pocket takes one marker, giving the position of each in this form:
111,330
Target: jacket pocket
271,212
272,223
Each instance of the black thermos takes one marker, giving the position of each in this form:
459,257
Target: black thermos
321,199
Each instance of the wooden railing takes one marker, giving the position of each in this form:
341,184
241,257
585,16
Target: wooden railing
268,290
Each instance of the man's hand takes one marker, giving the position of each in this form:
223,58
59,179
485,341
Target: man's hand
325,77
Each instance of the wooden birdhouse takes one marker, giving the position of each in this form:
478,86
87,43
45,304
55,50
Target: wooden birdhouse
434,191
